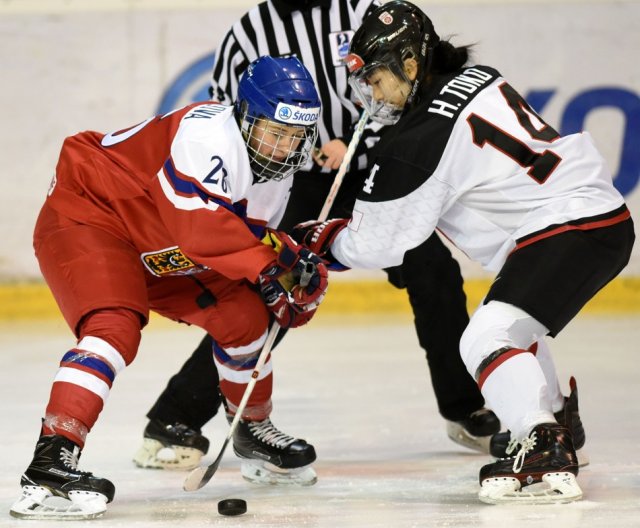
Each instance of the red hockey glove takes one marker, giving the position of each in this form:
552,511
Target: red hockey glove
318,237
281,304
295,284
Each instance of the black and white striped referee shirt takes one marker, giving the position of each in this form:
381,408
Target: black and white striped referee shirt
318,32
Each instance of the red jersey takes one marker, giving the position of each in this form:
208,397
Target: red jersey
178,187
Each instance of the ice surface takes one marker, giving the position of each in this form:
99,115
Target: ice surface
360,392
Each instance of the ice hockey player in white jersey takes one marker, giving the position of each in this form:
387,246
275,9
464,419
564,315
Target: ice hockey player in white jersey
467,155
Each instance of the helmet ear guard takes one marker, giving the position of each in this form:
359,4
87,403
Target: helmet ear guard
277,109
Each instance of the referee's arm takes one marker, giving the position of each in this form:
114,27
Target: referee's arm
228,66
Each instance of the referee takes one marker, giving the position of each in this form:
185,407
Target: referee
318,32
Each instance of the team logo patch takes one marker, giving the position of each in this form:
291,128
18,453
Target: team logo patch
284,113
339,41
170,261
386,18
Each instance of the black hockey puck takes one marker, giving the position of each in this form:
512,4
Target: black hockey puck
232,507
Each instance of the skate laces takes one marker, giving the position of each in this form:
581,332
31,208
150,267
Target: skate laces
512,445
70,458
527,444
266,432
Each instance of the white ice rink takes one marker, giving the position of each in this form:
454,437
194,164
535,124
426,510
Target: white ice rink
359,391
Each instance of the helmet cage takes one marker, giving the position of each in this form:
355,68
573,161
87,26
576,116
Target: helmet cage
262,134
277,109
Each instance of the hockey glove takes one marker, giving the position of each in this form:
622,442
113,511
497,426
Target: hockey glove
318,237
295,284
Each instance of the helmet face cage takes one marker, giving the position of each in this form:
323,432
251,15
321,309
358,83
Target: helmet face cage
277,109
276,150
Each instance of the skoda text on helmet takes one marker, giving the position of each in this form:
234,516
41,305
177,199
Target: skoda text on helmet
277,108
392,33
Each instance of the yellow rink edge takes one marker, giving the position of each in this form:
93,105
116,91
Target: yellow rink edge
32,300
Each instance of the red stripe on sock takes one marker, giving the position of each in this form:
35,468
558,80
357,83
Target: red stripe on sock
496,363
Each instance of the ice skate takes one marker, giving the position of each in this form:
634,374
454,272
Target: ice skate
475,431
502,445
171,446
54,489
270,456
543,471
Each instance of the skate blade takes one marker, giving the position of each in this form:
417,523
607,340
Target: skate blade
462,437
153,455
39,503
260,472
554,488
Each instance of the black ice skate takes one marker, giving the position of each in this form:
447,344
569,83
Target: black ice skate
475,431
271,456
543,471
54,488
502,445
171,446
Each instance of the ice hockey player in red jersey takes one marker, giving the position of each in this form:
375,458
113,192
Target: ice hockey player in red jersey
467,155
175,215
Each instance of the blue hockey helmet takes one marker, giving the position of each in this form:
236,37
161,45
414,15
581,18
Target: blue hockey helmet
277,108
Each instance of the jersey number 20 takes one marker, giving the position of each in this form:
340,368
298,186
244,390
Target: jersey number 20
540,164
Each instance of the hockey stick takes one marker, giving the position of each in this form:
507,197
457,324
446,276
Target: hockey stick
203,474
342,170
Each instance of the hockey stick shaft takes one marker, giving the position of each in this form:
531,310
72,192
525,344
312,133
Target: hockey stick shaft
342,170
203,474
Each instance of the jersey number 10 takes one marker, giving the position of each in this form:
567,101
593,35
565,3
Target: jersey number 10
540,164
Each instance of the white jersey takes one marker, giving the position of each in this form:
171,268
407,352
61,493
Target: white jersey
473,160
207,133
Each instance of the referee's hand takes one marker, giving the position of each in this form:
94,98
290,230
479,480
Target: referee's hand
330,155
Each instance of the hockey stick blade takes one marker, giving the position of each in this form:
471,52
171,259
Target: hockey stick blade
202,474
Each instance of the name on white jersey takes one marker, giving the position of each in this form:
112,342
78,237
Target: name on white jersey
205,111
461,86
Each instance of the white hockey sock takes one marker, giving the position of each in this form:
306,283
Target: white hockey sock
543,354
517,392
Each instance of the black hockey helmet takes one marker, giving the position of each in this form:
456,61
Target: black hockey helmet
390,34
